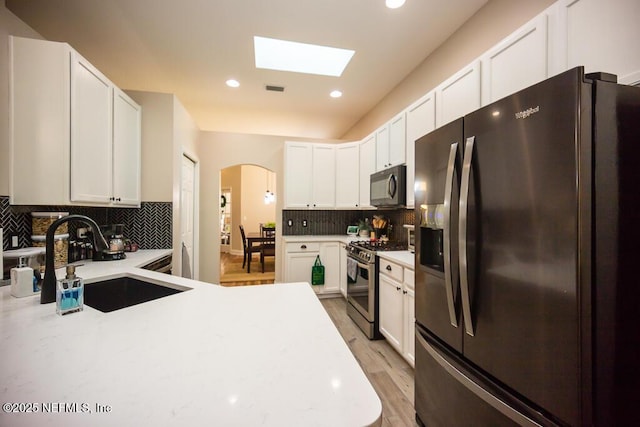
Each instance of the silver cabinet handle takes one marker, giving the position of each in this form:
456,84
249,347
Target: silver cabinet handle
464,199
450,276
472,386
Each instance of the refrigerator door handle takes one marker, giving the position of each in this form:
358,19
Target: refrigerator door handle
475,388
462,233
450,277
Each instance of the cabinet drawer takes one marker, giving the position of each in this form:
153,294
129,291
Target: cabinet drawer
391,269
409,278
303,247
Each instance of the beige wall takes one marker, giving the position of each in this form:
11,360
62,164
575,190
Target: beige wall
495,21
157,145
231,178
9,25
167,132
218,151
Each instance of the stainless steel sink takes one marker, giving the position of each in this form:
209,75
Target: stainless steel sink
114,294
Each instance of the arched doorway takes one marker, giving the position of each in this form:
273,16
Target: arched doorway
247,199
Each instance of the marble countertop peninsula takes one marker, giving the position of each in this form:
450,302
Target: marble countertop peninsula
240,356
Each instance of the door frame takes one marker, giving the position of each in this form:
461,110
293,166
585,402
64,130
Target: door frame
196,218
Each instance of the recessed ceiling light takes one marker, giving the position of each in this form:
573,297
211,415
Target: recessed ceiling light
394,4
335,94
283,55
233,83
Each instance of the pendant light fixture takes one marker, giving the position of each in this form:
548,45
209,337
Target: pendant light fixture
269,197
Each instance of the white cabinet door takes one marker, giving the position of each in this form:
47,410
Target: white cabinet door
343,269
517,62
458,95
367,167
39,116
298,268
602,36
348,175
409,300
298,164
382,147
421,119
397,140
91,133
330,257
324,176
409,352
391,306
126,150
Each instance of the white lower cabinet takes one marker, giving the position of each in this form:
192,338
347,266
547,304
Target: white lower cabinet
397,308
300,257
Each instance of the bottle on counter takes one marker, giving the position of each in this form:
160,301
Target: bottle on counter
23,280
70,293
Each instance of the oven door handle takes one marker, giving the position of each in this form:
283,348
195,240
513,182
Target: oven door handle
365,266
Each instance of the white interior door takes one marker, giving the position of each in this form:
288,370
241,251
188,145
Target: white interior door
187,214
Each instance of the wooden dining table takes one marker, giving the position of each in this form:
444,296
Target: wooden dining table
259,239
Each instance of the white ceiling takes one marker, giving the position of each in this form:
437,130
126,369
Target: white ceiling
191,47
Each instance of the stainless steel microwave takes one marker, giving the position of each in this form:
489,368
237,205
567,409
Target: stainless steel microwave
389,187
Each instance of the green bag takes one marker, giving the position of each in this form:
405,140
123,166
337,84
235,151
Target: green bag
317,272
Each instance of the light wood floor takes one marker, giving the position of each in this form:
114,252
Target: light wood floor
391,376
232,273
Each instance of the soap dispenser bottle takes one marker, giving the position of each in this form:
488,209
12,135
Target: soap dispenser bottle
70,293
22,280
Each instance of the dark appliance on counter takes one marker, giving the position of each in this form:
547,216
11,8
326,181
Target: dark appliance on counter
527,231
362,283
388,188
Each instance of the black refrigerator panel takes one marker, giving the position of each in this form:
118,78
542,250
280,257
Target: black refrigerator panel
616,253
450,392
519,210
437,175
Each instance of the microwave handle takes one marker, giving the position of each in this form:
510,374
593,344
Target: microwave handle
392,186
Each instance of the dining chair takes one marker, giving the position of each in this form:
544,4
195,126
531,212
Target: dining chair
247,250
267,249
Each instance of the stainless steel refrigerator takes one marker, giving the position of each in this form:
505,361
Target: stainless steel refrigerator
527,247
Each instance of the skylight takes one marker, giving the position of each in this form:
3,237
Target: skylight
282,55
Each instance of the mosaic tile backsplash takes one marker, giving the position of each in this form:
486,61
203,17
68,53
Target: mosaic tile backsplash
150,226
320,222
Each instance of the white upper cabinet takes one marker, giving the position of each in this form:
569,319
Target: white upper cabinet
324,176
63,130
310,175
421,119
458,95
91,133
602,36
126,149
382,147
397,140
348,175
391,143
517,62
298,163
367,167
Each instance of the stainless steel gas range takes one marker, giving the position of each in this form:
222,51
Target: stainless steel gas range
362,283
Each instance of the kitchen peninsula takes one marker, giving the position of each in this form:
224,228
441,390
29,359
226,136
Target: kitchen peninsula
256,355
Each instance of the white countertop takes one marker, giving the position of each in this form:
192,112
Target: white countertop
405,258
240,356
